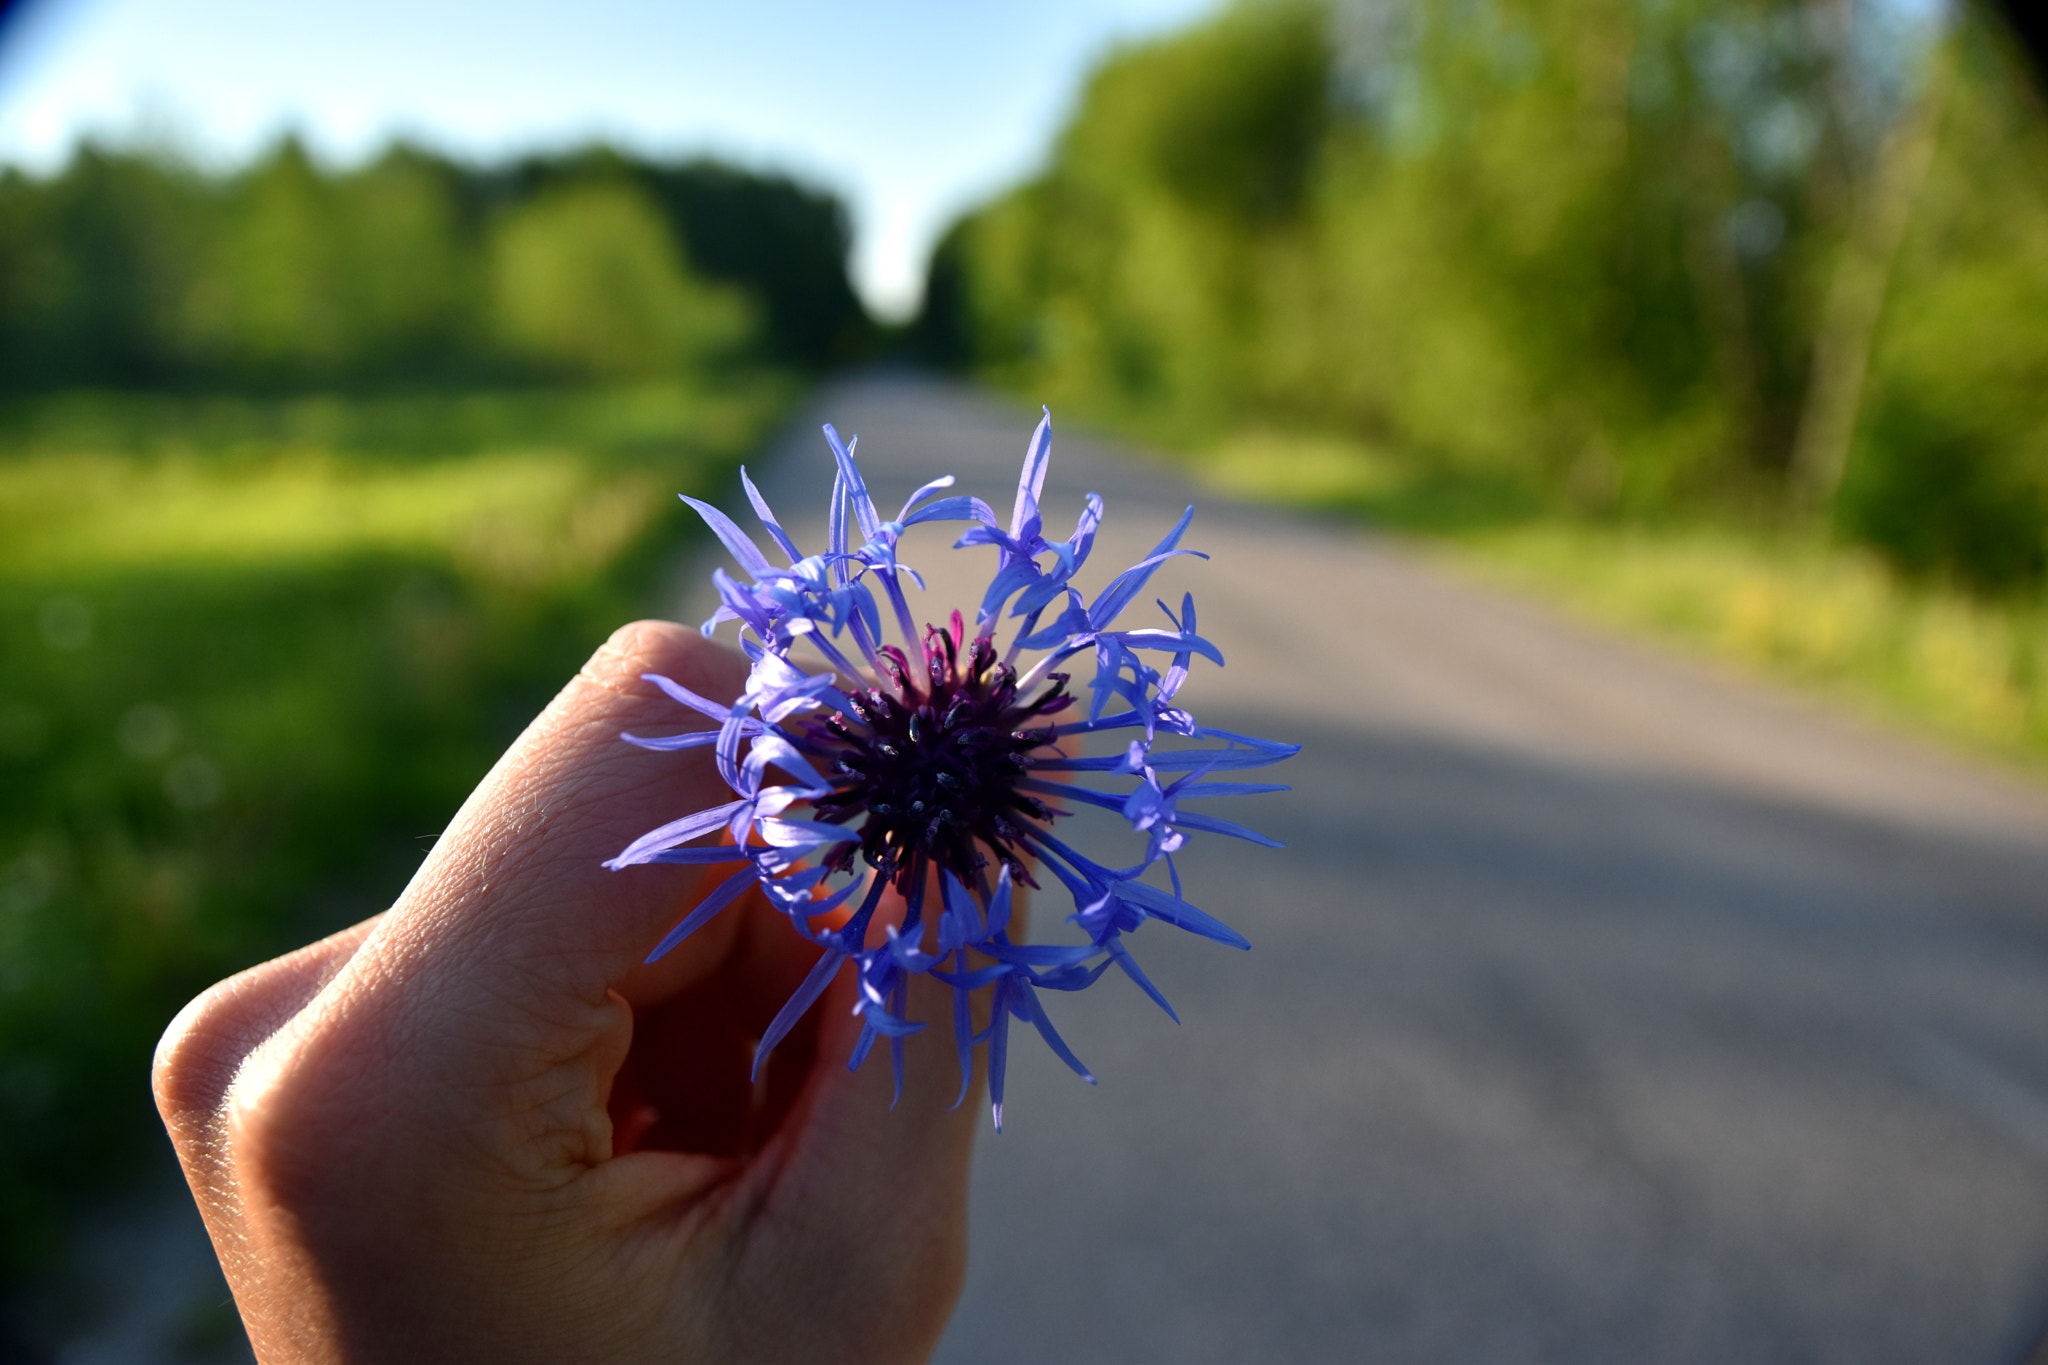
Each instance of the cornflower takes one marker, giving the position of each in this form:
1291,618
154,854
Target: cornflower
934,766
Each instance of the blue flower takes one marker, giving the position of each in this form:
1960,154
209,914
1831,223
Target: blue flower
944,776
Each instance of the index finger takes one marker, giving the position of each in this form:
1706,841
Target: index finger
513,902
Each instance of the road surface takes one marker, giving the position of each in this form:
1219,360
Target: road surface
1602,1008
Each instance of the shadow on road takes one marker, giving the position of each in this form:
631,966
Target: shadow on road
1535,1063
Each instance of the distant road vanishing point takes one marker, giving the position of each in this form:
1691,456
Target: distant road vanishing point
1602,1007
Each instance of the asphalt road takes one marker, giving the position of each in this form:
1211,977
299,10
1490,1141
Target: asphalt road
1602,1007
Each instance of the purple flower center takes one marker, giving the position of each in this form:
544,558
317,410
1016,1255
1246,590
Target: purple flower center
934,759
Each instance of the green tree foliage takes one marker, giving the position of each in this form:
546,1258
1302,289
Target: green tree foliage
1626,258
95,267
1950,469
129,268
310,277
787,246
587,279
784,244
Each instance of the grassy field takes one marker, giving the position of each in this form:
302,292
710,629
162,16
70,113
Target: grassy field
1795,607
255,654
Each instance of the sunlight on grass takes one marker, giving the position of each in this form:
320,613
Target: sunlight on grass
521,517
1799,609
1300,471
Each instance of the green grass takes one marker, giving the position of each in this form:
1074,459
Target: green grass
255,655
1795,607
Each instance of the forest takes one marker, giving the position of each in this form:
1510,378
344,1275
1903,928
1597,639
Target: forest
1776,262
132,269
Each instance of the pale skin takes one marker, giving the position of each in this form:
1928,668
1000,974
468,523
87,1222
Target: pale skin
402,1138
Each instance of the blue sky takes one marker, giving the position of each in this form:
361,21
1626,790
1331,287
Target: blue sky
911,110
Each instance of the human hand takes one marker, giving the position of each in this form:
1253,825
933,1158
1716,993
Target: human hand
477,1128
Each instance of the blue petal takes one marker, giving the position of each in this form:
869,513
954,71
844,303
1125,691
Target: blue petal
690,740
1108,763
675,832
973,980
1011,577
835,520
1122,720
793,1009
700,857
1159,905
999,906
1031,481
1043,593
1072,977
1085,526
950,509
768,518
884,1022
713,709
985,535
1122,957
856,487
1209,824
868,1034
1066,791
779,752
998,1050
808,909
1219,760
963,1041
1072,623
1042,954
1127,584
1170,642
791,833
1028,1006
961,923
1270,746
943,481
739,542
730,890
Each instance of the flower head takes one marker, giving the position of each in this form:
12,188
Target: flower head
939,764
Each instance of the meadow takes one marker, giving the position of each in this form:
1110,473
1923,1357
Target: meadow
256,652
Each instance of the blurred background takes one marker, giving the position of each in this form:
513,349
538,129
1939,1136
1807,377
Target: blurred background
345,385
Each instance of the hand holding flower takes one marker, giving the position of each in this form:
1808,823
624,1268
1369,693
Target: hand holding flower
491,1125
403,1138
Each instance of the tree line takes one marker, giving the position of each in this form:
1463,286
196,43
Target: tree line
132,268
1781,258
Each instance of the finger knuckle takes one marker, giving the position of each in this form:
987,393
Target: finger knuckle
203,1048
